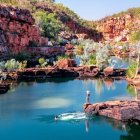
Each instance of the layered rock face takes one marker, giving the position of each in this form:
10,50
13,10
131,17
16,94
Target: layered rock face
119,110
17,29
116,27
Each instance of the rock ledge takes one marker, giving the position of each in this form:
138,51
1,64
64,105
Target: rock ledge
119,110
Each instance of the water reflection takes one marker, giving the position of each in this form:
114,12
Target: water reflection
101,84
134,91
130,131
49,102
43,80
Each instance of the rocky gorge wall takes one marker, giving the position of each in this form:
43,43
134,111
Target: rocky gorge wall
69,22
17,30
118,28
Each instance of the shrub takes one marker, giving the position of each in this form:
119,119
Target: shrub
11,65
48,23
42,62
92,59
22,65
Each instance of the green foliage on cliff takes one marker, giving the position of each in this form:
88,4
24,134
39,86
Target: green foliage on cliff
26,4
135,36
132,11
48,23
63,14
12,2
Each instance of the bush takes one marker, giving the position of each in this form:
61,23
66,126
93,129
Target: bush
42,62
92,59
48,23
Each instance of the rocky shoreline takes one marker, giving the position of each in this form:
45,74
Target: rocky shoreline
56,72
119,110
32,74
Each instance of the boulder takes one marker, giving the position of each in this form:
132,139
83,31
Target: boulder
66,63
108,71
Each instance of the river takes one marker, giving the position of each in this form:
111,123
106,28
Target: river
28,110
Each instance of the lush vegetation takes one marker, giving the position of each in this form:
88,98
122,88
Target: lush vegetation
12,65
48,23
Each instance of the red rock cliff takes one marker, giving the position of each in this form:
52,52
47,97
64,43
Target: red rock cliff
17,30
117,28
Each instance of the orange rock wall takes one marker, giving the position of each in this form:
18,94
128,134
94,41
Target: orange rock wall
18,29
116,27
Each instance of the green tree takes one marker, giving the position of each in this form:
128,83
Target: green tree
48,23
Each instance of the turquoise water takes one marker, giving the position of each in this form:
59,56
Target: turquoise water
27,111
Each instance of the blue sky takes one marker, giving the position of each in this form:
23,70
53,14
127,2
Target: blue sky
96,9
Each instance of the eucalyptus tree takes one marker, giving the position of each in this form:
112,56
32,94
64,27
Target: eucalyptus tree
89,48
94,53
102,56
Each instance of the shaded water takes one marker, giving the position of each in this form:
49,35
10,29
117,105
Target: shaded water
28,110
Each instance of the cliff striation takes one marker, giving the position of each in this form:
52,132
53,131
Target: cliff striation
118,28
17,30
